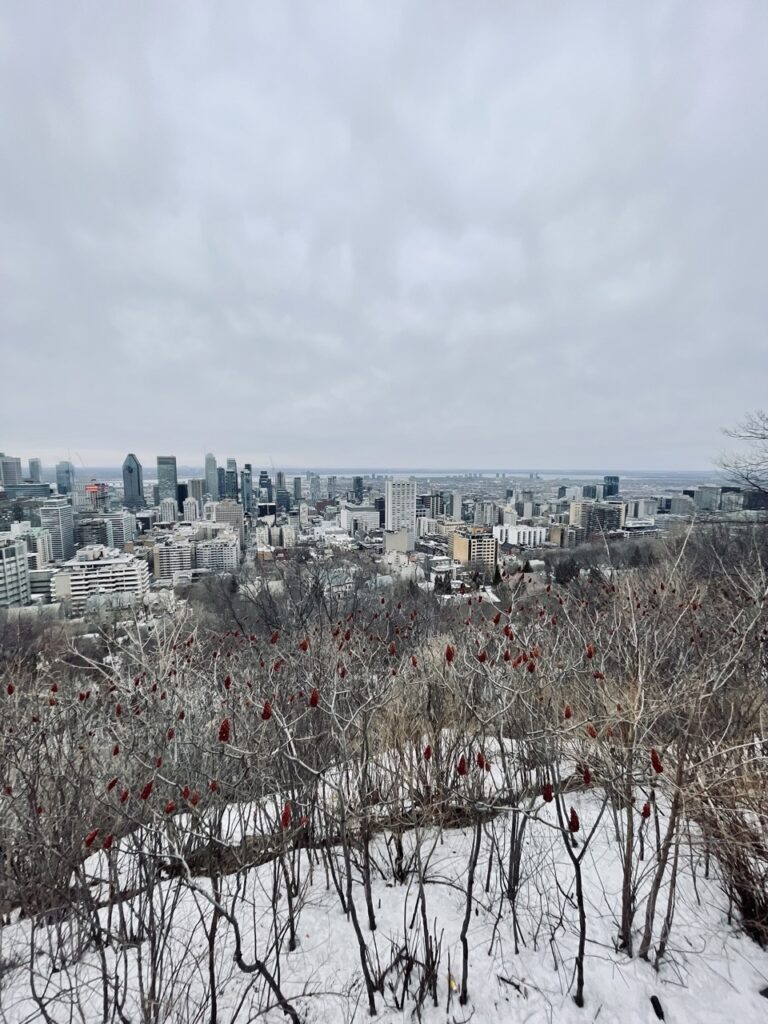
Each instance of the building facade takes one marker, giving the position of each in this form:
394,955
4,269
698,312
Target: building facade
98,570
14,574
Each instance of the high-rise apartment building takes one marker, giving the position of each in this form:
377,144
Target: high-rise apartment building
167,477
399,505
219,554
133,482
191,510
65,477
211,476
56,516
14,574
172,558
123,527
38,541
332,487
35,471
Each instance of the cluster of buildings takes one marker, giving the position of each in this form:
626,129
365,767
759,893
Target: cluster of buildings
77,544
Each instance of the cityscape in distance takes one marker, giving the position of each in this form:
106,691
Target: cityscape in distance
74,540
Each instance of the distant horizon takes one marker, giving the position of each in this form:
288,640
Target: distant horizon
150,468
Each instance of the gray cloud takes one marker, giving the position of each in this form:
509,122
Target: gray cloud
497,234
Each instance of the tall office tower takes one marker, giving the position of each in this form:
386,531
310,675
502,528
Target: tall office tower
610,486
155,495
10,471
221,485
191,511
357,489
167,480
331,487
211,476
230,480
14,574
246,487
587,491
457,506
35,471
314,487
265,483
283,498
65,477
133,482
280,480
400,505
297,488
380,505
197,489
56,516
168,510
182,493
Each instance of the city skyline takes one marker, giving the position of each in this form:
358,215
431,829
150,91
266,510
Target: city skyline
353,235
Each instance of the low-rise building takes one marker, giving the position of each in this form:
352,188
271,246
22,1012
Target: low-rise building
97,569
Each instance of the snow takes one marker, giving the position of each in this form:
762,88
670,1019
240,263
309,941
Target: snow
710,973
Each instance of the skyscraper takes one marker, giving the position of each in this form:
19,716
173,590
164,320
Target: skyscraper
65,478
246,487
331,487
211,476
197,489
221,476
35,471
56,516
265,483
167,479
297,488
133,482
610,486
280,480
357,488
230,480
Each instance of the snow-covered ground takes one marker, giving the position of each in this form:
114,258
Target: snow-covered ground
710,973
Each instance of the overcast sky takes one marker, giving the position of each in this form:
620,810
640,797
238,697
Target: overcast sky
389,233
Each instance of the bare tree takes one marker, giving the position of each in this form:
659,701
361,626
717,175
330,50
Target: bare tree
750,467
